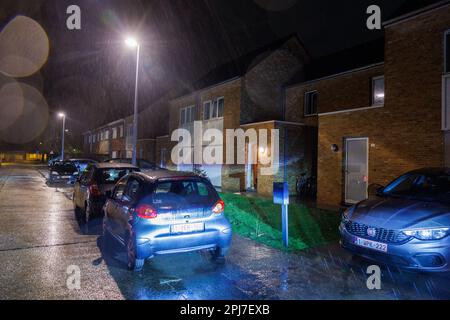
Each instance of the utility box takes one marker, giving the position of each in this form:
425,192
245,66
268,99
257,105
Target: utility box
280,193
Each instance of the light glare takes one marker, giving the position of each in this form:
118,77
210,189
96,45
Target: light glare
131,42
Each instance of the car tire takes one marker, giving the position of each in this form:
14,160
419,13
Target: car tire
133,263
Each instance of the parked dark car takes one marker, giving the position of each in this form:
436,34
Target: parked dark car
165,212
62,170
407,224
82,164
53,160
90,188
143,164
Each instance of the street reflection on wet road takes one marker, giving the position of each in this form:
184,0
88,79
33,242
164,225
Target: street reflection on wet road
40,238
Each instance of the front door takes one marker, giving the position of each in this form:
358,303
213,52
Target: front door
356,169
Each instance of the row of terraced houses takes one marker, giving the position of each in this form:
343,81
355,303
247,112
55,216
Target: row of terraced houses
359,117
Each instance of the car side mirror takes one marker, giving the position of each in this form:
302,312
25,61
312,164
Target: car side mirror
375,189
108,194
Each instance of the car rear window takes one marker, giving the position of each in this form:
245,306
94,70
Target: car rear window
197,191
112,175
65,166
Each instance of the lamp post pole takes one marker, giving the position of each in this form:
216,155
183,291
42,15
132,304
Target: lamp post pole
63,116
135,116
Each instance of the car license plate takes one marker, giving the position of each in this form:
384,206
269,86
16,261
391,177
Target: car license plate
379,246
187,227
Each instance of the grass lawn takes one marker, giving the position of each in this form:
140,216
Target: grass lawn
260,219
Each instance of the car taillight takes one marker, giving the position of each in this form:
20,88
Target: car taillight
94,190
219,207
145,211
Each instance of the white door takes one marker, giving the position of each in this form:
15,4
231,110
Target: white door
356,169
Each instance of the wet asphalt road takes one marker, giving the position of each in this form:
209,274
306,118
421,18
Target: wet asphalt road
40,238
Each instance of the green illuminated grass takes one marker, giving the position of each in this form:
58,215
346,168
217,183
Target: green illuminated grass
260,219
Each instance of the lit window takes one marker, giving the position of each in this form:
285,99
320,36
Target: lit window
114,133
121,131
378,91
187,115
214,109
310,103
206,110
220,106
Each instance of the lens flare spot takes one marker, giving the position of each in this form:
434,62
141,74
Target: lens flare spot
11,104
24,47
32,120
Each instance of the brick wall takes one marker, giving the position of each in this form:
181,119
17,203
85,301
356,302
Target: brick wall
231,92
406,133
348,91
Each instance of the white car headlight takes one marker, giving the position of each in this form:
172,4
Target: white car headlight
427,234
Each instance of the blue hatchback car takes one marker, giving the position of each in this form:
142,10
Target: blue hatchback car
163,212
407,224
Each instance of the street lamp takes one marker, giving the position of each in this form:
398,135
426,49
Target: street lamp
63,116
133,43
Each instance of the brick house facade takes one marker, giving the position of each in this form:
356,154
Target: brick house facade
251,100
108,141
346,130
401,134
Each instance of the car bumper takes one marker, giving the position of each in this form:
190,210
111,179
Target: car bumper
160,241
430,256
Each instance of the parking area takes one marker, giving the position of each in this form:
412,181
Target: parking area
41,242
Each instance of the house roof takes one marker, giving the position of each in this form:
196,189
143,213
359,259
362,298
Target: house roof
366,54
413,8
239,67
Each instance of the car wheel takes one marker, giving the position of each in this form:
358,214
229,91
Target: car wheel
133,263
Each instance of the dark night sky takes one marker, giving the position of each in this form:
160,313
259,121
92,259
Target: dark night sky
91,70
